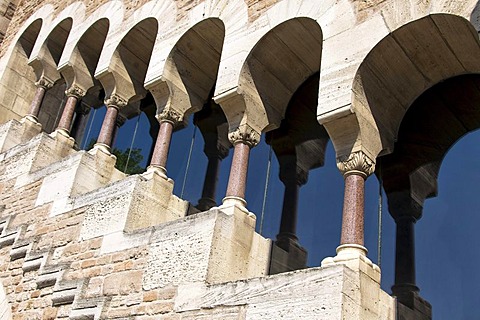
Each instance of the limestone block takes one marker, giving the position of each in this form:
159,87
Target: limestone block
210,246
238,252
14,133
307,294
37,153
340,61
180,251
75,174
126,205
120,241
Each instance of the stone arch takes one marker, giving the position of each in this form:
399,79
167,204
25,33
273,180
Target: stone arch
400,68
15,104
299,145
191,68
432,125
434,122
45,64
47,58
186,86
164,14
282,59
130,61
79,75
85,55
52,41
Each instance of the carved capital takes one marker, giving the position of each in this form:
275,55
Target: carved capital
246,135
75,91
169,115
115,101
44,83
356,163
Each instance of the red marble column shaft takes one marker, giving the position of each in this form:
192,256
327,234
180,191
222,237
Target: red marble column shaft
162,145
37,101
353,210
238,171
106,132
67,115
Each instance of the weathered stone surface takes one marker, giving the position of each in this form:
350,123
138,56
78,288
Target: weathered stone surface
123,283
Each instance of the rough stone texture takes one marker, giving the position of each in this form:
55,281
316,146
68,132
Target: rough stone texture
80,240
80,259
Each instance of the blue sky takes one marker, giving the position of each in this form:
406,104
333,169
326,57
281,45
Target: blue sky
447,242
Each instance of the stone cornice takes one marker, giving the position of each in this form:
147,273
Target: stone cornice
356,163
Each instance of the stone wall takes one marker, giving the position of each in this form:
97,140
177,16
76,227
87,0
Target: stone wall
79,240
27,8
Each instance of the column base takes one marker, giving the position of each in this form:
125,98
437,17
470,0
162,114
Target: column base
156,170
30,118
354,256
62,134
230,203
100,147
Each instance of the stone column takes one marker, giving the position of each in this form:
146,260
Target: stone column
74,94
242,139
215,156
168,120
42,86
105,138
406,211
81,120
355,169
293,178
405,282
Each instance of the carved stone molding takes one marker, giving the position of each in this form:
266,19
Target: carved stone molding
246,135
44,83
115,101
356,163
170,115
75,91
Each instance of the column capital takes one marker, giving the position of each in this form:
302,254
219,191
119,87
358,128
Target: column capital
75,91
44,83
169,115
246,135
356,163
115,101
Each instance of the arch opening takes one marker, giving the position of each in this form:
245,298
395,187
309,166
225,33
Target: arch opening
15,104
433,124
45,66
402,66
279,63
